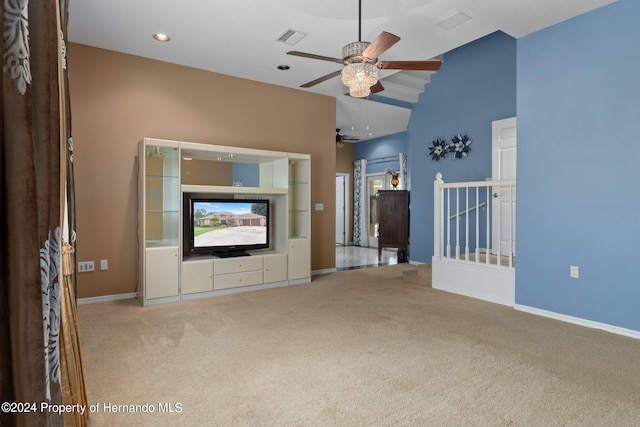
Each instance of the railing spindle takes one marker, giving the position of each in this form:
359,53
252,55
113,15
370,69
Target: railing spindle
448,223
466,218
498,213
477,224
457,223
487,250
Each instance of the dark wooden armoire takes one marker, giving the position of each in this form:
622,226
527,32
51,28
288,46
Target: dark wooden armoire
393,222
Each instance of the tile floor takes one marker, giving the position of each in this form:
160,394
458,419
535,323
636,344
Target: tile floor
352,257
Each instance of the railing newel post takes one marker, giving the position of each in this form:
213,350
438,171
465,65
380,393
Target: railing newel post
438,222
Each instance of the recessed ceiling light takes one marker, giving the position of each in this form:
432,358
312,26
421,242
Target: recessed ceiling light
161,37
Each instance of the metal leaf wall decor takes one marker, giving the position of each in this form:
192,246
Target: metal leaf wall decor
459,147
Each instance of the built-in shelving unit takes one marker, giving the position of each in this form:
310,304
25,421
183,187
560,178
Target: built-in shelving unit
167,274
299,202
159,223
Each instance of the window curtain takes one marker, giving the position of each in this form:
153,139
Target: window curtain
39,351
360,200
403,171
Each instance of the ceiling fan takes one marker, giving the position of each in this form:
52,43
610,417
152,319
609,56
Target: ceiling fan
341,139
361,65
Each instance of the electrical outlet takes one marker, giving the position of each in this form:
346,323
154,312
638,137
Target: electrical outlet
574,272
104,264
85,266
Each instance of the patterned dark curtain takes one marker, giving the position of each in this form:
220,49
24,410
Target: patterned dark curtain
38,326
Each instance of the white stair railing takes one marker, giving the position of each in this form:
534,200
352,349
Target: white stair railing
475,222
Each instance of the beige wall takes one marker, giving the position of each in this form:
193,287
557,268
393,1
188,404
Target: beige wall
118,99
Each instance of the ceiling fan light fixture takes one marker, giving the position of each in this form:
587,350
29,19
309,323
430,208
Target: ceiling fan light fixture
360,77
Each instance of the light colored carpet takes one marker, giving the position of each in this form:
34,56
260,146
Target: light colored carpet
354,348
420,275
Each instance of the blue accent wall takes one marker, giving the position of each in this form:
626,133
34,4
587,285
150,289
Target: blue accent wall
475,86
248,173
578,109
388,146
578,166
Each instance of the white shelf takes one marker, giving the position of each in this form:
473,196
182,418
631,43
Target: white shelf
232,190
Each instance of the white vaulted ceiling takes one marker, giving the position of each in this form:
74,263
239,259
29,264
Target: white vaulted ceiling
239,38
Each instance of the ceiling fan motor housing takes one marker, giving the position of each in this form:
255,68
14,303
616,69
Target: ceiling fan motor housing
353,53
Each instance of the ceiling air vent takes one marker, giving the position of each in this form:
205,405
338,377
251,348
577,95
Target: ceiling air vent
453,21
291,37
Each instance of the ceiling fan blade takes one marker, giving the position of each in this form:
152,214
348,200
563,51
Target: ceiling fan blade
322,79
312,56
383,42
410,65
345,138
377,87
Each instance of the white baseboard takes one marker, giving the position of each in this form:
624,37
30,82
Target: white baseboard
325,271
105,298
579,321
302,281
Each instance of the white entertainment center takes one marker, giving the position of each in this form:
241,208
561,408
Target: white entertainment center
167,273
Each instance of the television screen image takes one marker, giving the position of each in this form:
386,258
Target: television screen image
226,226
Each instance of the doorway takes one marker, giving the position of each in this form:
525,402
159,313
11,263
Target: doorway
503,167
374,183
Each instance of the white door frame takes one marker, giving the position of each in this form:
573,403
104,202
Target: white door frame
347,203
373,240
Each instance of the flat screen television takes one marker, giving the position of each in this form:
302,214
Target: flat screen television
228,227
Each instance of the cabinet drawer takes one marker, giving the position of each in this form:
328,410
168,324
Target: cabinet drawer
237,265
234,280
